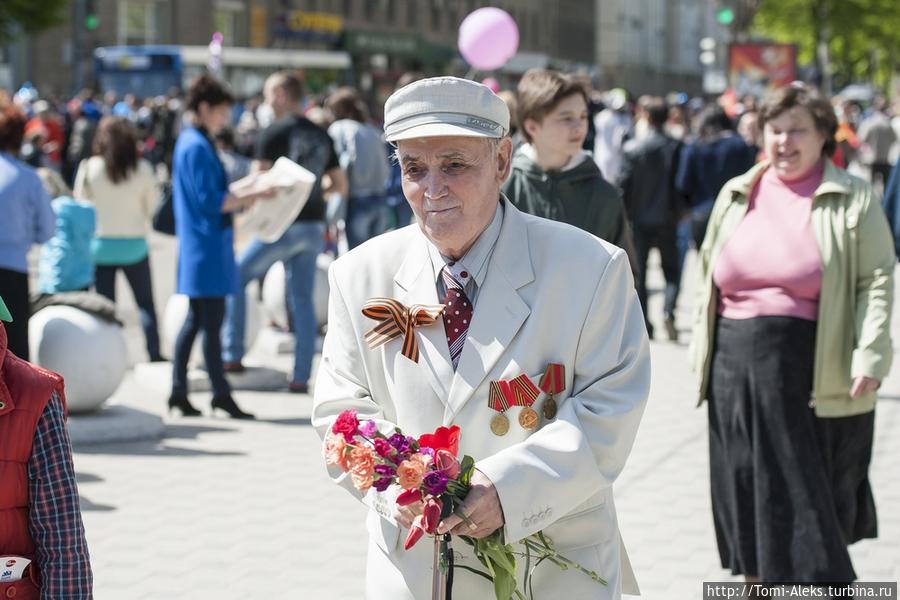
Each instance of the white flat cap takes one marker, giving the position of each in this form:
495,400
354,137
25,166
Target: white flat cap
444,106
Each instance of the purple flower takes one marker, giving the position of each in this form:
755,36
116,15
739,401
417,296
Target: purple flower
386,473
385,470
400,443
428,451
368,429
435,483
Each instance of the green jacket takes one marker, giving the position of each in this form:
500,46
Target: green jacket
853,331
578,196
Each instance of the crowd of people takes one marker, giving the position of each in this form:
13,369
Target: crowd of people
780,197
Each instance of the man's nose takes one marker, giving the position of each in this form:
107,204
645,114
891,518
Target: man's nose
435,185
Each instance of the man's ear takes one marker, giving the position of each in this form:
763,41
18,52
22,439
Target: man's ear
504,158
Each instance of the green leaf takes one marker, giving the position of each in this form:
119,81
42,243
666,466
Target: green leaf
504,585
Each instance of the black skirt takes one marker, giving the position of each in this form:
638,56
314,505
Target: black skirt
790,490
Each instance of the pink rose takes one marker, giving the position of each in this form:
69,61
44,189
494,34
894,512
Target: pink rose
446,462
383,447
336,452
347,424
410,474
368,429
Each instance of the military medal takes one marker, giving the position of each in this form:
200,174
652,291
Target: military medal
552,382
524,393
498,402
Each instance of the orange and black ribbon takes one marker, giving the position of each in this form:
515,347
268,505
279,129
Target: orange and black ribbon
396,320
554,379
520,391
498,395
523,390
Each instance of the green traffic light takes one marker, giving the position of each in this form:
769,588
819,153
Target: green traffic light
725,16
91,22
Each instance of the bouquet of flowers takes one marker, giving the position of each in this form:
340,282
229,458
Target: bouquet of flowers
428,471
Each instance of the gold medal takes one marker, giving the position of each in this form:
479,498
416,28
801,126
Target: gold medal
528,419
549,407
499,424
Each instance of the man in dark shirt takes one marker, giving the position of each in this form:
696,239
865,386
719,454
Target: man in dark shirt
293,136
653,205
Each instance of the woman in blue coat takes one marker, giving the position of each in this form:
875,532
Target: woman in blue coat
206,269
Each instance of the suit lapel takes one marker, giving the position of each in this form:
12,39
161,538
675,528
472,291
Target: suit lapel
499,312
416,278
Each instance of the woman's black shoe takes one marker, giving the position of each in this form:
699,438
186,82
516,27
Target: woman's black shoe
228,404
180,403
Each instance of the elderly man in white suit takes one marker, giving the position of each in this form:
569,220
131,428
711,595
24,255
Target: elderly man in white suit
520,293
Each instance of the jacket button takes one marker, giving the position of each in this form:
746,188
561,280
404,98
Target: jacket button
11,592
812,403
2,405
525,523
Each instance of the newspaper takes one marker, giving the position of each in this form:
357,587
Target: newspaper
269,218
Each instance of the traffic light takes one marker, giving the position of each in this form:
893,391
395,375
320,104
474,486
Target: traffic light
725,15
91,18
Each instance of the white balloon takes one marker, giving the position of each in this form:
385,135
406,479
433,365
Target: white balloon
90,353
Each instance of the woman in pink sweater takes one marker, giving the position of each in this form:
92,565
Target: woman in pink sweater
796,253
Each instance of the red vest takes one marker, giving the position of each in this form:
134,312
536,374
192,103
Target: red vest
24,392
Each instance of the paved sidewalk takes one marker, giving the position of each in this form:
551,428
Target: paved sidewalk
222,510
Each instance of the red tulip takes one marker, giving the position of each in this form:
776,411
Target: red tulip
415,533
442,439
408,497
446,462
431,515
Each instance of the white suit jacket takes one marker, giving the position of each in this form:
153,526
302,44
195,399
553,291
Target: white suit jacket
552,294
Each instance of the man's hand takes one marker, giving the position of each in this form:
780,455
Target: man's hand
404,515
481,506
863,385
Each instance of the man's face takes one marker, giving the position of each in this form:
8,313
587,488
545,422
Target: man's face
453,185
563,129
276,98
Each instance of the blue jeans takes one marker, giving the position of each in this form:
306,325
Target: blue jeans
366,217
297,249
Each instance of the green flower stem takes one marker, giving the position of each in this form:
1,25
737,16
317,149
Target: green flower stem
545,550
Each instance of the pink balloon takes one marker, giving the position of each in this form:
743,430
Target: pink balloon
492,83
488,38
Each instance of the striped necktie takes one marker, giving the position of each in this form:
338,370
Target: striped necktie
457,316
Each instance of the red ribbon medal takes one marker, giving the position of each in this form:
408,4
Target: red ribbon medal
524,394
498,400
552,382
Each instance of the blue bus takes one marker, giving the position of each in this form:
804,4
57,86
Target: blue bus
144,71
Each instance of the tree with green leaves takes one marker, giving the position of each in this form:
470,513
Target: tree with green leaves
847,40
19,17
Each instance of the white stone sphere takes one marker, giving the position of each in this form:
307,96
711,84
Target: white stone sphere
90,353
176,311
274,297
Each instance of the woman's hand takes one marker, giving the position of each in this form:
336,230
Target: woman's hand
863,385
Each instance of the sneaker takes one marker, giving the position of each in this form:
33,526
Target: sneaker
297,387
233,366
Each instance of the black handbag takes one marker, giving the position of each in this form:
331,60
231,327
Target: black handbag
164,215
